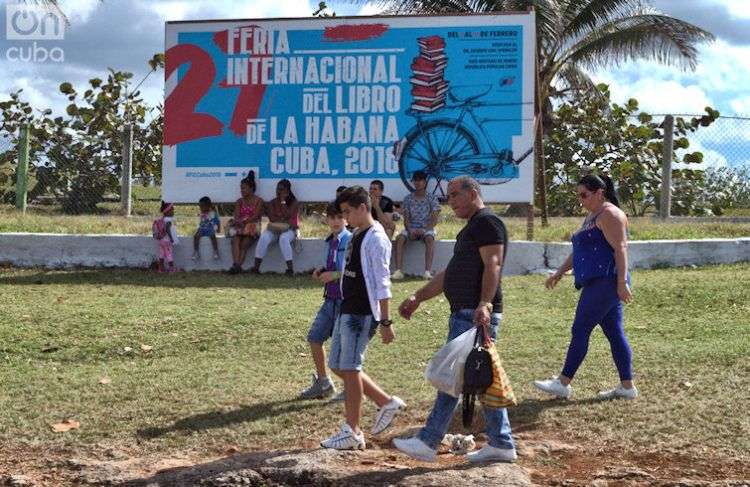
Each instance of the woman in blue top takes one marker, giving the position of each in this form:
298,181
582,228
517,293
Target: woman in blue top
599,262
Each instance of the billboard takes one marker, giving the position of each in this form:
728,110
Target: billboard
335,101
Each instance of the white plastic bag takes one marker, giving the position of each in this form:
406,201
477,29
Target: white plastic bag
445,370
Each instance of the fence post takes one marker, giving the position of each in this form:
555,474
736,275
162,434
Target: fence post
127,169
530,222
22,169
666,169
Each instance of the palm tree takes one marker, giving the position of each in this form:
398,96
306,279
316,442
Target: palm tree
50,5
575,37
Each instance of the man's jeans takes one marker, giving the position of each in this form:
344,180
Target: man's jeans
498,426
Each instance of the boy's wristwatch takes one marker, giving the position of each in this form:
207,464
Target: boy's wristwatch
386,323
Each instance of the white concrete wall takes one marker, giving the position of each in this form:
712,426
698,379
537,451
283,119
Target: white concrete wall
64,251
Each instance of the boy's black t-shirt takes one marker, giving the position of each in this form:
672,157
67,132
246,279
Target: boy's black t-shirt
355,298
463,276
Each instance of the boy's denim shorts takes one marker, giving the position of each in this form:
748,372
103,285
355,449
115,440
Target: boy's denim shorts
322,326
349,341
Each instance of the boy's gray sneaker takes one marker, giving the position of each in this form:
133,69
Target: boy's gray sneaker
319,389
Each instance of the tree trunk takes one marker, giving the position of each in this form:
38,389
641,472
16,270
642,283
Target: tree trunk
541,177
539,104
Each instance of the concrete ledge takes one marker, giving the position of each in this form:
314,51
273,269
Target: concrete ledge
66,251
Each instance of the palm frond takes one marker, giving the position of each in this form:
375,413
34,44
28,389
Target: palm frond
50,5
421,6
572,78
651,36
580,16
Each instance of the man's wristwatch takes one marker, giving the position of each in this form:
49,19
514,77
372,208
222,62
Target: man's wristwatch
487,305
386,323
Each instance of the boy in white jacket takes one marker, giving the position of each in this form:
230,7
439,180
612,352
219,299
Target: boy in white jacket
366,290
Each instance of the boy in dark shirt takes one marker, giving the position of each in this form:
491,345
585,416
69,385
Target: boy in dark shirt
366,289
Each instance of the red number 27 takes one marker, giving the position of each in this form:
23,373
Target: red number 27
182,123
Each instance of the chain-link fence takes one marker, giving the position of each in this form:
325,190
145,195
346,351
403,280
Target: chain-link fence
724,143
68,193
7,170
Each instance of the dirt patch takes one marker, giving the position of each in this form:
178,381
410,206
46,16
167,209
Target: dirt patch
543,460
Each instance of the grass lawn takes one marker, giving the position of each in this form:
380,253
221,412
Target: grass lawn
200,361
48,219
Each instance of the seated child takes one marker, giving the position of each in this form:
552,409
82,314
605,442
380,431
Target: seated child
208,225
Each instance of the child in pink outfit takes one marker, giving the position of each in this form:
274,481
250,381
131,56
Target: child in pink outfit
165,233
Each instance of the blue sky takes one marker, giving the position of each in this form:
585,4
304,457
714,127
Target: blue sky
124,34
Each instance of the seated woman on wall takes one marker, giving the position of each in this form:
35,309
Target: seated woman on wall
245,226
283,217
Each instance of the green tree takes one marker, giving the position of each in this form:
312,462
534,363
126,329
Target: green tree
76,158
575,37
726,187
590,134
322,11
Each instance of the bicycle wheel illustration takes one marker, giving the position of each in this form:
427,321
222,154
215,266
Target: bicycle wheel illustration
438,149
498,171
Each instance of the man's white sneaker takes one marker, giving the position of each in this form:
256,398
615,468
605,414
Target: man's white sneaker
385,415
427,275
490,453
415,448
619,392
554,386
397,274
345,439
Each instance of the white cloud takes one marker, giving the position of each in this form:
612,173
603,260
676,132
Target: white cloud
79,11
719,78
741,105
656,95
232,9
41,83
173,10
722,67
738,8
370,9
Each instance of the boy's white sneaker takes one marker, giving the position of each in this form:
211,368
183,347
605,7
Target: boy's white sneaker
385,415
196,256
555,387
427,275
619,392
345,439
415,448
489,453
397,275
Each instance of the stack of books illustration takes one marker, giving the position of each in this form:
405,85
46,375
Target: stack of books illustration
428,82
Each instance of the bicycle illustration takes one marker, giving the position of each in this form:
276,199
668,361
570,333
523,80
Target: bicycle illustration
447,147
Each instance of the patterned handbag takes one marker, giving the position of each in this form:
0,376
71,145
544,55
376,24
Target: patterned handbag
500,393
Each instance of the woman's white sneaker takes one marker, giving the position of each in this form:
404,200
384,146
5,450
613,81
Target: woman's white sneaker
619,392
555,387
345,439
